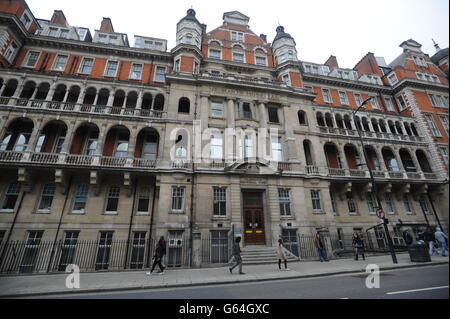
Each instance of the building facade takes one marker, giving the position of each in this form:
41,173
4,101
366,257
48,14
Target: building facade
100,140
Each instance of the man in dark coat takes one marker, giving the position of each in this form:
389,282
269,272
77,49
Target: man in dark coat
237,256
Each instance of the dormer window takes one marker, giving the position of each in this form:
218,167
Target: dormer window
393,79
64,33
237,36
102,38
52,32
307,68
419,61
315,70
326,70
26,20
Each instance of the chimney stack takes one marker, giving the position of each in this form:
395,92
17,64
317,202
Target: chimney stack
59,18
107,25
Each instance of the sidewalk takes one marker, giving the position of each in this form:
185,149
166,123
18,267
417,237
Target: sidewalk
38,285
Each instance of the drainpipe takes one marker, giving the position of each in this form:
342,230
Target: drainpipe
59,224
131,224
434,210
151,227
12,227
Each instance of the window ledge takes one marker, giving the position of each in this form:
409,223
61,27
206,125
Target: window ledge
177,212
318,212
287,218
142,214
221,218
110,213
77,212
7,211
353,214
43,211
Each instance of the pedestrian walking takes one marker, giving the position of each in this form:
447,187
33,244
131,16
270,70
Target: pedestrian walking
428,237
320,248
358,244
281,251
408,238
160,251
442,239
237,256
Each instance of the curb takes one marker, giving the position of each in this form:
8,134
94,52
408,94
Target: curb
154,287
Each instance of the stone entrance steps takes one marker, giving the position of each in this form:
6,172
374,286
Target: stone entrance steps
257,255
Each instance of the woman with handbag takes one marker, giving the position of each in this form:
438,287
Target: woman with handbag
358,244
281,251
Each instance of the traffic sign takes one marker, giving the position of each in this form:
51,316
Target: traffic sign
380,213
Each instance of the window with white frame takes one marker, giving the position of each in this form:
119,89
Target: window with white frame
351,204
111,68
444,153
371,203
10,51
444,121
112,202
327,96
60,63
52,32
401,102
177,199
407,204
315,197
196,68
215,53
286,79
160,74
307,68
389,105
432,125
285,202
237,36
86,66
6,139
393,79
343,98
32,59
277,149
217,109
136,71
238,57
11,196
315,69
419,61
248,146
220,201
389,203
64,33
374,103
143,200
358,99
22,142
122,145
216,146
48,192
261,60
26,20
80,200
326,70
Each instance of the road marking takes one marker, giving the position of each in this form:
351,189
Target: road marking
415,290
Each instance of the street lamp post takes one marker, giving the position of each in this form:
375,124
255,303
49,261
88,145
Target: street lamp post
386,230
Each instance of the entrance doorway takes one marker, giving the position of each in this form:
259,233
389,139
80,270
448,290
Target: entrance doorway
254,226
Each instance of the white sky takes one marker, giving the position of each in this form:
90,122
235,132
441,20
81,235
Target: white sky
347,29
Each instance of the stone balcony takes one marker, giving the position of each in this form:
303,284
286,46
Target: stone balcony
374,135
81,109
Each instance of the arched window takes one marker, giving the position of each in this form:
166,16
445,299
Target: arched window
159,103
147,101
320,120
10,88
260,57
215,51
302,119
238,54
184,105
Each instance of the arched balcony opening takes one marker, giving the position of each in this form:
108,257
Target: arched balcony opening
10,88
147,144
329,120
320,120
60,93
17,135
119,99
365,124
184,105
147,101
332,156
302,118
89,97
414,130
159,103
408,129
374,161
131,103
28,90
382,125
74,94
103,96
307,149
52,138
392,127
85,140
398,127
117,142
352,157
390,160
348,122
42,91
375,125
424,162
339,121
407,161
358,123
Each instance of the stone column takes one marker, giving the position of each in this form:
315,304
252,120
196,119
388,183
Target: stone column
132,142
3,89
416,161
33,96
230,113
262,114
399,160
139,100
204,111
69,138
34,136
341,152
81,96
380,158
66,96
110,99
51,92
101,140
292,155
